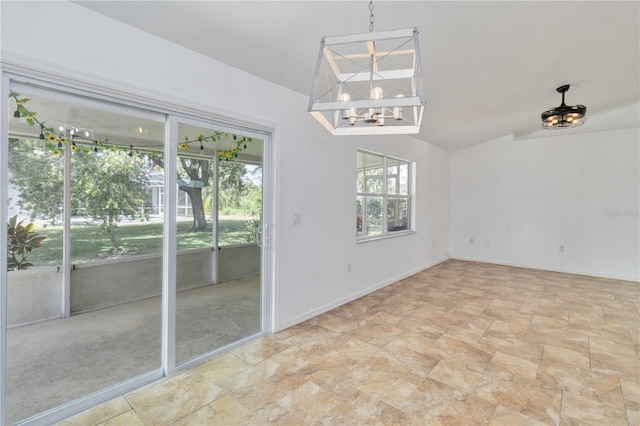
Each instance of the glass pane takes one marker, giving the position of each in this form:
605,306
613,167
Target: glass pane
397,214
218,285
113,331
195,219
239,202
111,196
373,217
403,179
360,181
370,173
359,216
35,196
392,176
392,184
373,184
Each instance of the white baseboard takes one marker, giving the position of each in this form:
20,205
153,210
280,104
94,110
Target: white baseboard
543,268
350,298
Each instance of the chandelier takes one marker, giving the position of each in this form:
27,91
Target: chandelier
369,84
564,115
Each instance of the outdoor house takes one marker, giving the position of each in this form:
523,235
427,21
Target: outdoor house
191,239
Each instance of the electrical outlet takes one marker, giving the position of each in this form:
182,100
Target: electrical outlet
348,267
297,220
561,248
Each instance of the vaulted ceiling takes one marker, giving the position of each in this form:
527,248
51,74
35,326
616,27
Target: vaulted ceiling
490,68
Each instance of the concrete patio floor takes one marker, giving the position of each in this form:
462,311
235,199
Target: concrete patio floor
54,362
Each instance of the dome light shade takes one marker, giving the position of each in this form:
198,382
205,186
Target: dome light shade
563,116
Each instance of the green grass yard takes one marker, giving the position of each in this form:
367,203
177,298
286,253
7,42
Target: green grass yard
91,242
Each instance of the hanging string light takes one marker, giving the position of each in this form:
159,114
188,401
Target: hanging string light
85,138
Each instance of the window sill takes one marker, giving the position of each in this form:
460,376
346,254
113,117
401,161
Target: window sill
384,237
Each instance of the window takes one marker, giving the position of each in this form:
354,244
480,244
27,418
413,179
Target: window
383,201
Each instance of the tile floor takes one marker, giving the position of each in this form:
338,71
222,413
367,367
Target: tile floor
460,343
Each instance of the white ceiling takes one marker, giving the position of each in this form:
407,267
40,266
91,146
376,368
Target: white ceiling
490,68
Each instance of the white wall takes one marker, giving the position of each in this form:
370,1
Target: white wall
315,174
520,200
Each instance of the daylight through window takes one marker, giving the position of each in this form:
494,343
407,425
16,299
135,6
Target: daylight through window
383,201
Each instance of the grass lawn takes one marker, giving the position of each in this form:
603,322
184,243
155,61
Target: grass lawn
91,242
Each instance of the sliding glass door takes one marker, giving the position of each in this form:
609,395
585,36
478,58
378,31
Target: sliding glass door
218,261
83,287
134,248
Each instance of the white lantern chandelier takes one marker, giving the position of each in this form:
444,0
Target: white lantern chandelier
369,84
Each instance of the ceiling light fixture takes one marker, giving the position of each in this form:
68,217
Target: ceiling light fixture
564,115
369,84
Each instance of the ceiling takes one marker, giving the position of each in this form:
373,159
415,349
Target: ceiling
490,68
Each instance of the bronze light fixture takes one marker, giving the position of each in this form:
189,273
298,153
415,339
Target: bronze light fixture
564,115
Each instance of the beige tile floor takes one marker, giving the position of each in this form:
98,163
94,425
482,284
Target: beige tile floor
460,343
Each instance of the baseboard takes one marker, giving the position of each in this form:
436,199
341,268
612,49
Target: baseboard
355,296
542,268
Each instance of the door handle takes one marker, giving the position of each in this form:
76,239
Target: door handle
259,236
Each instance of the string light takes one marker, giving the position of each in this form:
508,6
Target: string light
84,135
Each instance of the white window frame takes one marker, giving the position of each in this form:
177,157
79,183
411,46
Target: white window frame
386,196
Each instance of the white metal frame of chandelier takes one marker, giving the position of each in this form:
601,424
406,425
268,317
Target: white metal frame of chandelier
367,116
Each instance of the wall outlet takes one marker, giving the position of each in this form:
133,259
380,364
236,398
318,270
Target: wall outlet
297,219
561,248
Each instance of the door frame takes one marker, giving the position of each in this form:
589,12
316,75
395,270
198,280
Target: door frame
41,76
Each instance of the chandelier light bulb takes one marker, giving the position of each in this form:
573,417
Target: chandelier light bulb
346,113
376,93
398,111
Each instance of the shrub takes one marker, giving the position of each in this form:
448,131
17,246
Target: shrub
20,241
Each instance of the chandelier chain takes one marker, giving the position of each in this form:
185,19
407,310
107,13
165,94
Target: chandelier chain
371,17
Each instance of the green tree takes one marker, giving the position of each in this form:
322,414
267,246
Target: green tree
106,185
110,185
197,173
38,175
232,185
